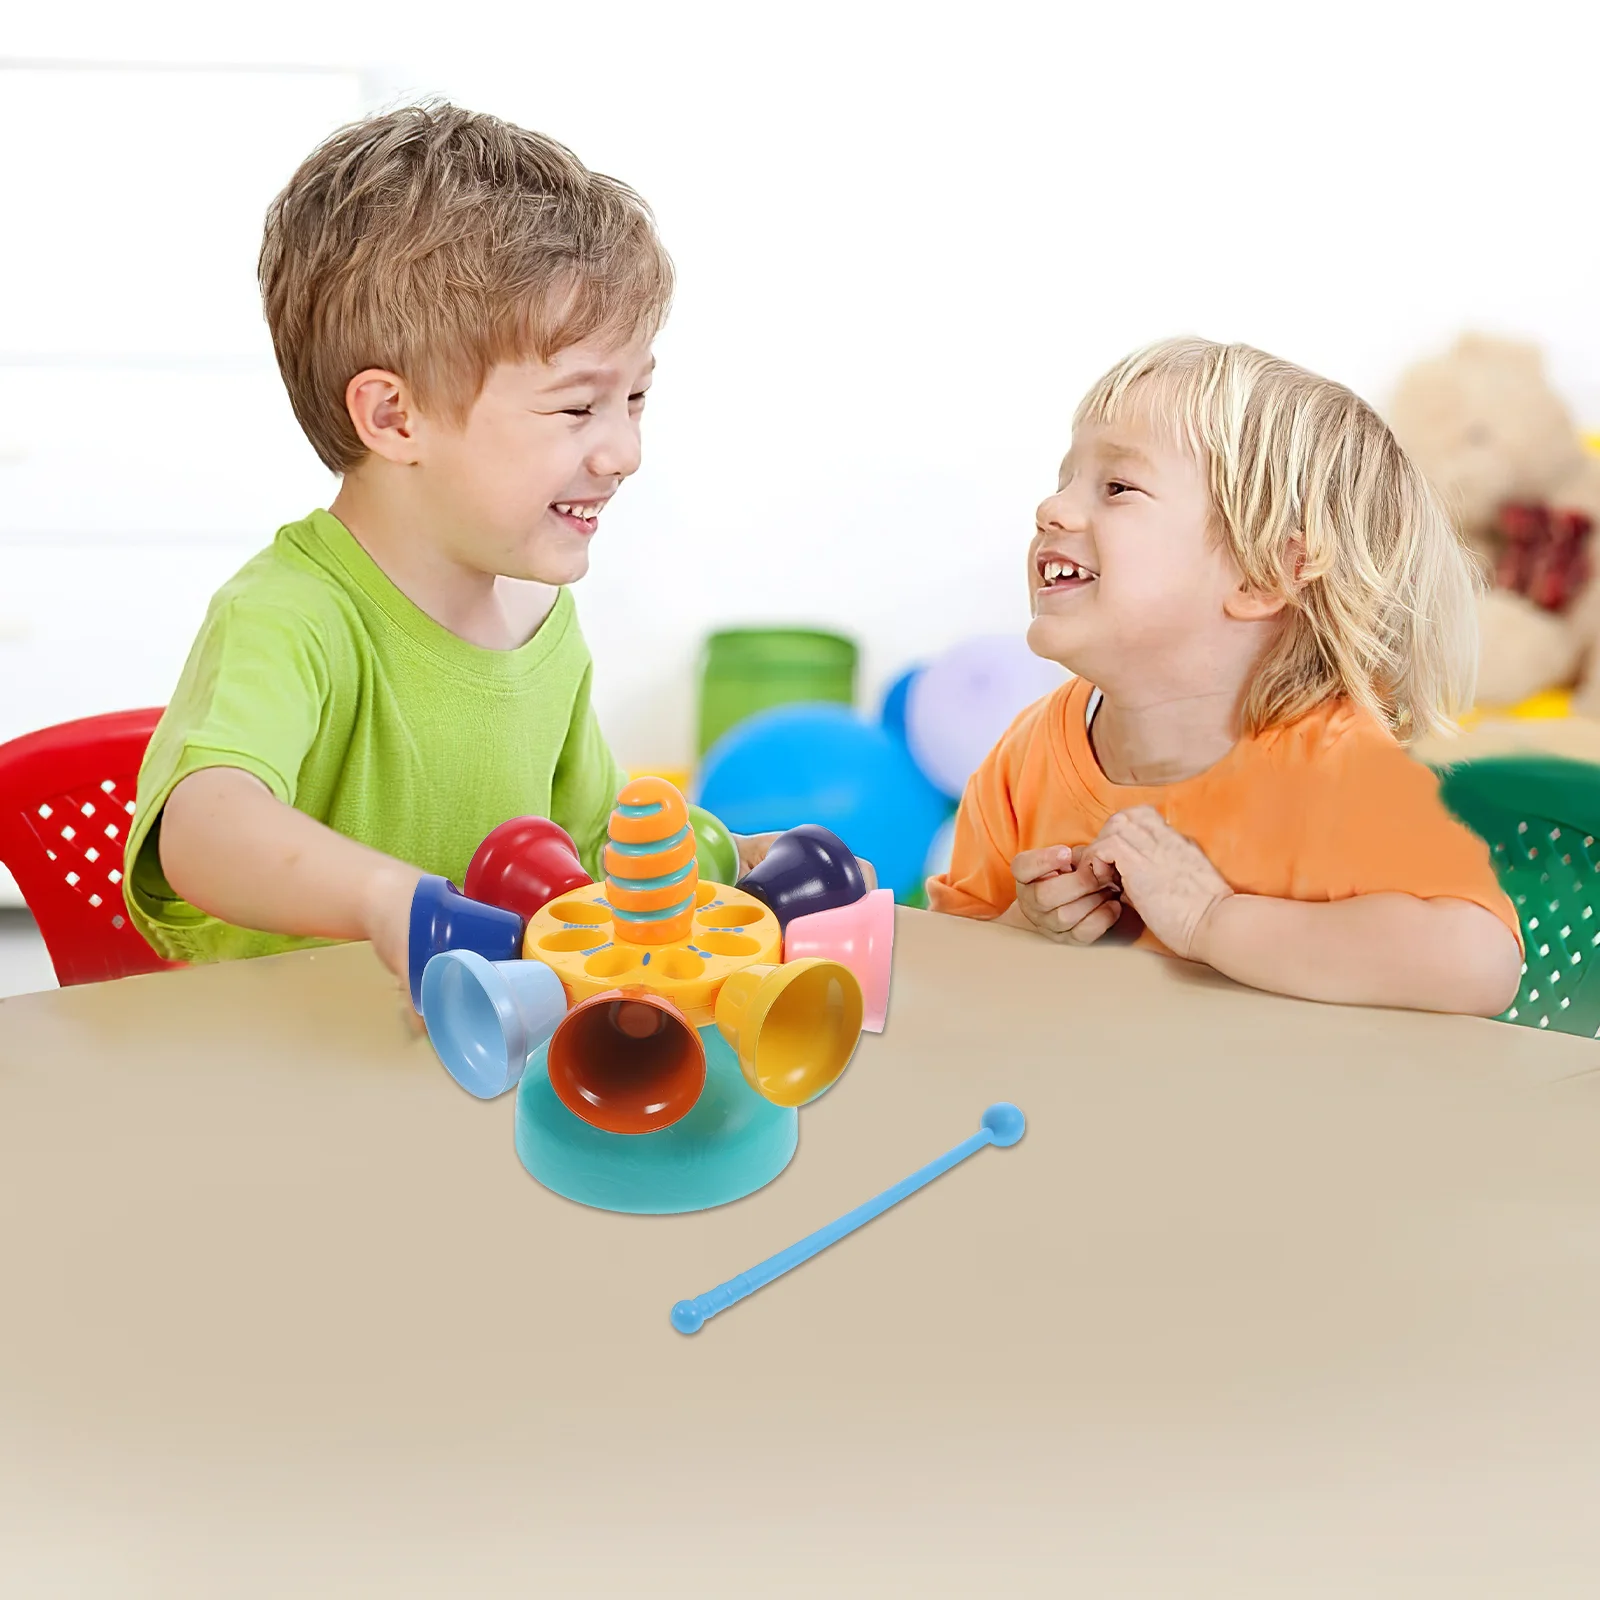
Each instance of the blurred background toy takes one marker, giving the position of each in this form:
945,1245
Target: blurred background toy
1544,554
747,670
1488,429
959,705
825,764
892,716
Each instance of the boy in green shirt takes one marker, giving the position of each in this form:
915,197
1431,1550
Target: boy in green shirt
463,316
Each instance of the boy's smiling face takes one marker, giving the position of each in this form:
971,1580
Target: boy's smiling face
517,489
1131,589
542,451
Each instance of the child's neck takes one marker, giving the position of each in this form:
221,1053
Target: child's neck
1146,740
492,613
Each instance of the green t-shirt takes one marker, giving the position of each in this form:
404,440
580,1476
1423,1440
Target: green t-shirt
315,674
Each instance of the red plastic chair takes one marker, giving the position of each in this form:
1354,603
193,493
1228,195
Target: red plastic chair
66,800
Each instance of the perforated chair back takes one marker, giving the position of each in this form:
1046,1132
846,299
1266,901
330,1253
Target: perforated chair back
66,802
1540,816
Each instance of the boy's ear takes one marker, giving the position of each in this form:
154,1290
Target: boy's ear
1250,604
384,415
1247,604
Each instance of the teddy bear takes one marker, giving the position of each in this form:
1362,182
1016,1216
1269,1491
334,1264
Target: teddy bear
1484,425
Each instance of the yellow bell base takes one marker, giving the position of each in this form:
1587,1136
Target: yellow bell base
574,937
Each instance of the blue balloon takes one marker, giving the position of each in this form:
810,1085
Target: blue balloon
893,715
823,763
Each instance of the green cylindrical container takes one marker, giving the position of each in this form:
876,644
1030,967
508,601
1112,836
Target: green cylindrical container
746,670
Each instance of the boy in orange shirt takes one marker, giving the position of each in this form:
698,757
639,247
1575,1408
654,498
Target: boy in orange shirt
1261,599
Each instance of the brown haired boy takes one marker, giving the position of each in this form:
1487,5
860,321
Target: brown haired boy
463,316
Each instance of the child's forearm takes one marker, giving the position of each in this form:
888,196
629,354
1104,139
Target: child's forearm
1375,949
234,850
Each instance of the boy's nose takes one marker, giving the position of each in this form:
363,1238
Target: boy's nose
617,454
1058,512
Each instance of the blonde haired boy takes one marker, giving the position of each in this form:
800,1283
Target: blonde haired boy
1263,601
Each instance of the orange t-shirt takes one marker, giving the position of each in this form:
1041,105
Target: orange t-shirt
1324,808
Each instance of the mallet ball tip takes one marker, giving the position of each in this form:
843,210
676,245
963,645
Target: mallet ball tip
1005,1123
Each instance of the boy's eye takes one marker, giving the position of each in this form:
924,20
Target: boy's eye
1114,488
588,411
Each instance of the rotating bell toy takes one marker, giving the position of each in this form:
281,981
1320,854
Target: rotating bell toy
661,1030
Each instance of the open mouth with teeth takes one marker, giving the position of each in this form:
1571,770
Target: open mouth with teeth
1058,576
585,517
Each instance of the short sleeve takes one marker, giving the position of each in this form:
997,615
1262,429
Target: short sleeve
1385,830
252,696
978,882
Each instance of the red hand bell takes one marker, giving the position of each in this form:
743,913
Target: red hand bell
523,865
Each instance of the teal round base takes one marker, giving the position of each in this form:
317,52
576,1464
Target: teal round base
732,1143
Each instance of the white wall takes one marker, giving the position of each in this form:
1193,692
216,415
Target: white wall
909,236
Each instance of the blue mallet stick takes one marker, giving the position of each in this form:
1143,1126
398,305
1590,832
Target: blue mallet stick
1003,1125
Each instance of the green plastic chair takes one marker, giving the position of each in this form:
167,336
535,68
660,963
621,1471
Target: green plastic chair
1540,816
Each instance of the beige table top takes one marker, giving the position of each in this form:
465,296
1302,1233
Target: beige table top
1577,738
1272,1299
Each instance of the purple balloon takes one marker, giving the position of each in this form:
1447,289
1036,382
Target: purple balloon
960,704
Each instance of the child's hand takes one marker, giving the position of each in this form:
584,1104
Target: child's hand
410,1017
1067,899
387,919
753,848
1165,877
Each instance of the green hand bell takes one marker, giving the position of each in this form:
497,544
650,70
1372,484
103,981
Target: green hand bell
718,857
